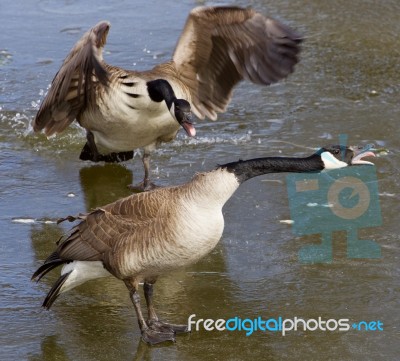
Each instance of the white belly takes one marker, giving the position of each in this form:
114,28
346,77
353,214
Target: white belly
118,127
124,134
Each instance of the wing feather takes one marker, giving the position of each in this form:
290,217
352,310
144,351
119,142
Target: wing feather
125,220
220,46
73,86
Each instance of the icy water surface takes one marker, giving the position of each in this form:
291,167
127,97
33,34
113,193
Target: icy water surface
347,83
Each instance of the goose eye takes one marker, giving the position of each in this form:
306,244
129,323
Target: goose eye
336,151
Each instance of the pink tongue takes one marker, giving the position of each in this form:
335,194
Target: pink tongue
189,128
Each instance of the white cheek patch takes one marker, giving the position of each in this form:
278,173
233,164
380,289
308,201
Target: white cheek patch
331,162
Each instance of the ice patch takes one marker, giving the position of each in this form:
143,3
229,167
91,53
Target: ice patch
286,221
32,221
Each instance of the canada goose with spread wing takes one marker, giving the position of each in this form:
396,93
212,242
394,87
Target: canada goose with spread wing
123,110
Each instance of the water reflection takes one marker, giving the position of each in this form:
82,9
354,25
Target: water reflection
103,184
49,347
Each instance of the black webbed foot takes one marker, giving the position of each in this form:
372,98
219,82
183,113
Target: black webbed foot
153,336
165,327
90,153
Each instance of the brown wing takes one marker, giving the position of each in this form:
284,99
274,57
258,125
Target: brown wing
99,230
72,86
220,46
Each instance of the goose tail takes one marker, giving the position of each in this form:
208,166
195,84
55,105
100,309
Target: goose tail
73,274
51,262
55,291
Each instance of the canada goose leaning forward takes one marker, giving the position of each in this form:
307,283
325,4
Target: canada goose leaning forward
142,236
123,110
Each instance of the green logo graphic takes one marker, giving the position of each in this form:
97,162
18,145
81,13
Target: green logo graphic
345,199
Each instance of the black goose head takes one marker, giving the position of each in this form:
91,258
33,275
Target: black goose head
159,90
339,156
181,111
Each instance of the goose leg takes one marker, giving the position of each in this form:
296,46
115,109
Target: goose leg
149,334
146,184
153,321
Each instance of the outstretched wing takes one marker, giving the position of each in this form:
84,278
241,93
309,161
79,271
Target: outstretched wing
72,86
220,46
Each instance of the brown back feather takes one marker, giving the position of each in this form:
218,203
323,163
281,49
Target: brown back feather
128,220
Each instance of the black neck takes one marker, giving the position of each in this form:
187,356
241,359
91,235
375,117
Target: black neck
160,90
246,169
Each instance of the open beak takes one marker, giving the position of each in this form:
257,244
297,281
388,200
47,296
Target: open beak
360,153
188,126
